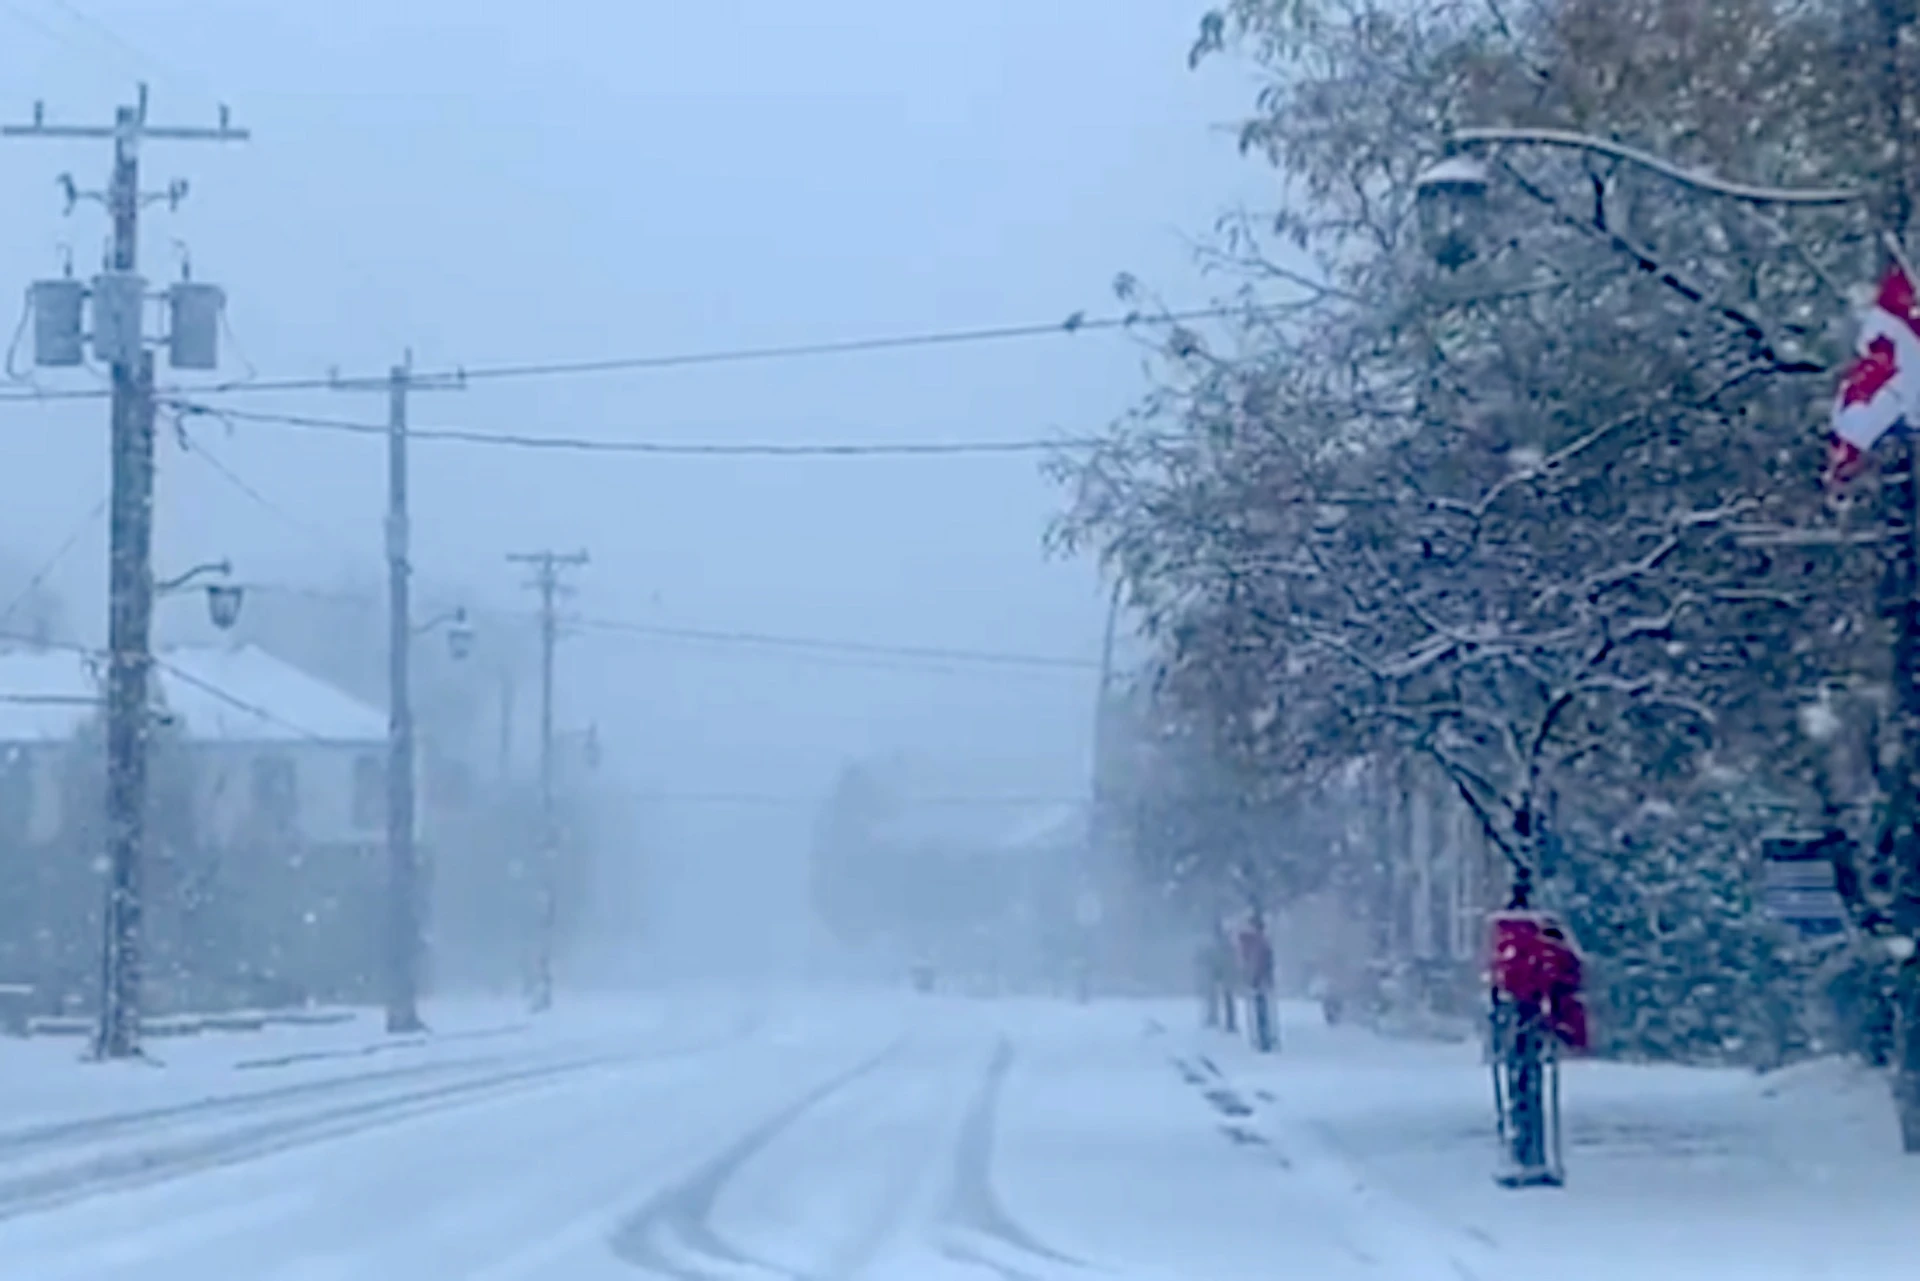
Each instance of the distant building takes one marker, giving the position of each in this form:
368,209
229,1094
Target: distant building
267,826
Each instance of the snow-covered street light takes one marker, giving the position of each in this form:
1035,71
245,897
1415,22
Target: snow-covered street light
1450,198
459,636
460,633
223,599
223,604
1451,193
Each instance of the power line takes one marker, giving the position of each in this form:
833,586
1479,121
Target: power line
235,701
53,562
32,23
815,644
259,499
130,53
1079,322
815,802
107,34
606,445
294,521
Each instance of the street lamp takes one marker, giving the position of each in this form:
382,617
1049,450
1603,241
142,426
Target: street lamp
1462,140
1449,195
223,604
223,599
460,632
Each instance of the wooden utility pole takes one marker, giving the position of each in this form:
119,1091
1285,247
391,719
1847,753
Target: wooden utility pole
119,300
402,934
547,569
403,868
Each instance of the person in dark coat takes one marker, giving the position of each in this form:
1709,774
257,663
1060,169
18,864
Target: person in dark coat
1256,969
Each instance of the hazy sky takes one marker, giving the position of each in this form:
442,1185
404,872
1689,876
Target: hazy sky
491,182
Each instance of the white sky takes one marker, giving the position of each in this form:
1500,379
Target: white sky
490,182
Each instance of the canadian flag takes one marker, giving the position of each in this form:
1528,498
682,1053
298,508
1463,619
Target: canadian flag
1882,384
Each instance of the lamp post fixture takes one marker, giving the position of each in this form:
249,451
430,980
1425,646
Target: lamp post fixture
460,632
1462,141
223,599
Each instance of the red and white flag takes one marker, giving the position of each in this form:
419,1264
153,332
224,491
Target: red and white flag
1882,384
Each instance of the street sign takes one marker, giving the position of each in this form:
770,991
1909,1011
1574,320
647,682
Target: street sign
1800,887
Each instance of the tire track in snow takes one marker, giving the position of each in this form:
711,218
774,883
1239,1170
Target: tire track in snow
28,1140
679,1220
140,1164
122,1169
55,1134
974,1212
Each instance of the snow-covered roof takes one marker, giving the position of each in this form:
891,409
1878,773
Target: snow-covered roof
213,693
244,694
46,695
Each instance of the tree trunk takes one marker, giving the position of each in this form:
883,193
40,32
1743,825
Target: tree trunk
1906,1062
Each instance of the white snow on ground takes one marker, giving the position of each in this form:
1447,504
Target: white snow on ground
879,1135
1671,1172
45,1081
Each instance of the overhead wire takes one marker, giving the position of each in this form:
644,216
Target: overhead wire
194,446
235,701
129,52
614,445
804,646
214,463
812,645
107,34
931,653
814,802
1079,322
31,22
39,576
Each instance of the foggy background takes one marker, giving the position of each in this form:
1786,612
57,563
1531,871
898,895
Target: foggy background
489,183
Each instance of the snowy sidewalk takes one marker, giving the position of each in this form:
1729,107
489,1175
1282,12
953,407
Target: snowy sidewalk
1671,1172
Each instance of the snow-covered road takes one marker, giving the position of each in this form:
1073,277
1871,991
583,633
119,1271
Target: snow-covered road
755,1138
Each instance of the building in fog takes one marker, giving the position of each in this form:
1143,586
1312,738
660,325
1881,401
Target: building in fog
264,873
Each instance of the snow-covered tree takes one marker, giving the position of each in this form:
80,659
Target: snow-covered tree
1535,512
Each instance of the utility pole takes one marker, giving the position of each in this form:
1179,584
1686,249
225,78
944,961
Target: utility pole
403,907
403,859
119,302
547,568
